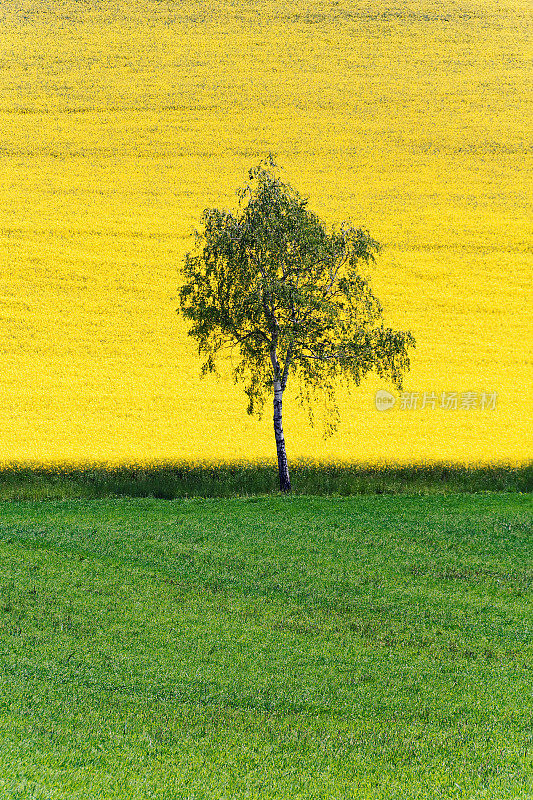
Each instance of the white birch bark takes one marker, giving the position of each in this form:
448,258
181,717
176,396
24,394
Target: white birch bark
283,466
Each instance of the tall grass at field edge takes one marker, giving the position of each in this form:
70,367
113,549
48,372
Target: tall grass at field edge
179,480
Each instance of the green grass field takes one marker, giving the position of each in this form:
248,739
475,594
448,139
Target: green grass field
303,647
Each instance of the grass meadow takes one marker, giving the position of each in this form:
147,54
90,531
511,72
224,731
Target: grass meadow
282,647
186,480
121,121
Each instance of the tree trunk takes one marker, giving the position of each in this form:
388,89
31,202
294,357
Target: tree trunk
284,480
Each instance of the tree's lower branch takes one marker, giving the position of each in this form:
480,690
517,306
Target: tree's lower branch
274,361
324,356
286,367
255,332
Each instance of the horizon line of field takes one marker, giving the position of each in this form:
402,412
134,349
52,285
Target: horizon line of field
235,464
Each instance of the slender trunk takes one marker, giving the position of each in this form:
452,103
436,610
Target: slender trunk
284,480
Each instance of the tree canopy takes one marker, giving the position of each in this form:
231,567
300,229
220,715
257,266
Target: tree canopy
271,283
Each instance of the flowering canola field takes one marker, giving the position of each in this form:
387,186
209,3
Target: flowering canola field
121,121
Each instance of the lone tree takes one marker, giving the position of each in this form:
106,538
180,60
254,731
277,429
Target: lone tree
274,286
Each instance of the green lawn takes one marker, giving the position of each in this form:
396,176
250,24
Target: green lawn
300,647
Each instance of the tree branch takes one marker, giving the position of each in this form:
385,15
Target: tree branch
274,360
255,332
287,365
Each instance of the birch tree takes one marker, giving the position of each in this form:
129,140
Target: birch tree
288,299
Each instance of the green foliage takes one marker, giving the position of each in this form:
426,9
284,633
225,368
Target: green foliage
272,284
229,479
266,648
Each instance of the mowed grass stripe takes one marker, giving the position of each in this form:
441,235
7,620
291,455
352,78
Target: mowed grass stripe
267,647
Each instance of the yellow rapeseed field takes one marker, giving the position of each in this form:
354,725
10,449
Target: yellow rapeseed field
121,121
